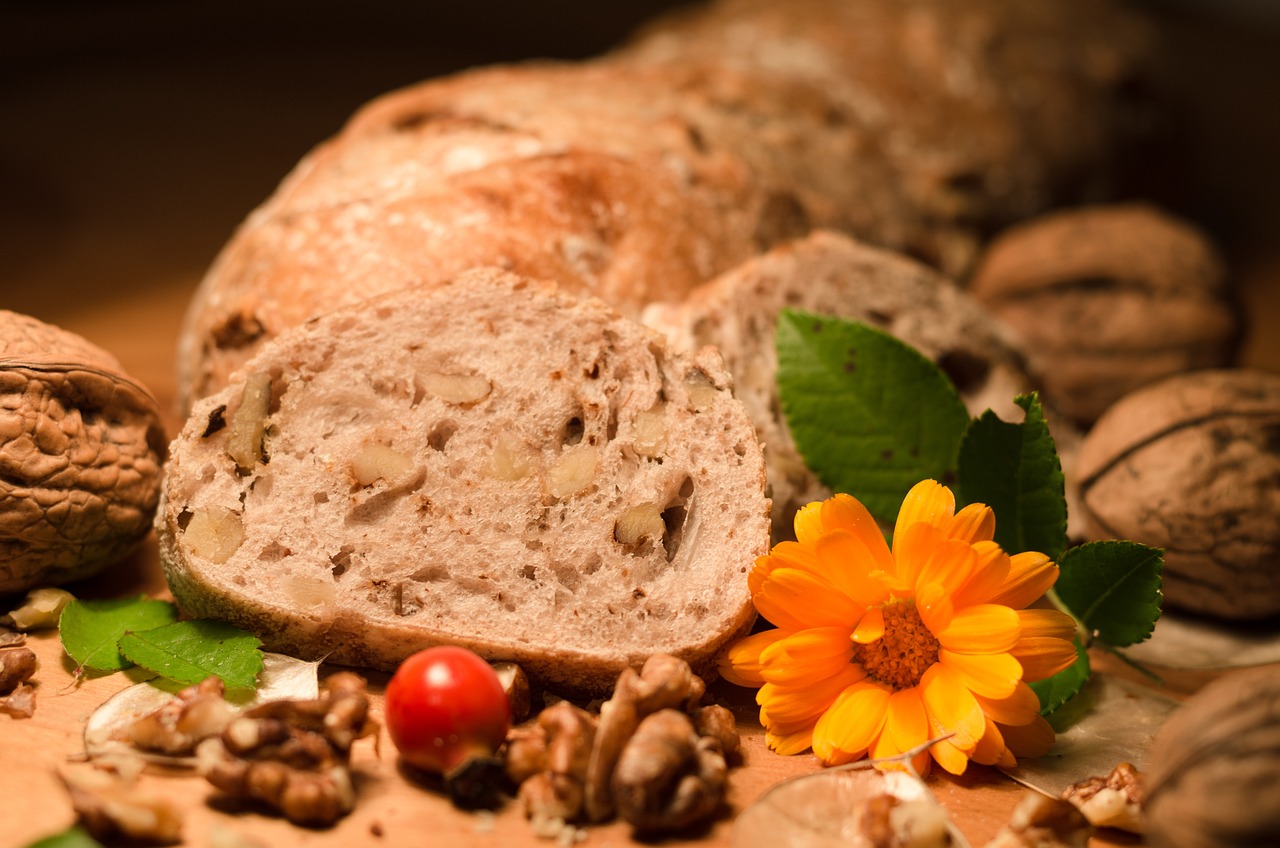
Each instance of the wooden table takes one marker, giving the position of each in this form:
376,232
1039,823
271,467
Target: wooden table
131,144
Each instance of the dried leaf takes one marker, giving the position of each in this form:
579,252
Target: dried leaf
1111,721
1184,642
827,809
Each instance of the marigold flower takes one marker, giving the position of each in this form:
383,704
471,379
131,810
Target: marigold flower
878,650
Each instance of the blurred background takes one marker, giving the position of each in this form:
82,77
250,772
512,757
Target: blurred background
136,134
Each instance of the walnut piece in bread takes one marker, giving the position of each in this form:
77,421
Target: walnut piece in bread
366,555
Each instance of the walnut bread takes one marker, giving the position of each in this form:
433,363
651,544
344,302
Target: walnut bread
81,445
489,462
713,135
831,274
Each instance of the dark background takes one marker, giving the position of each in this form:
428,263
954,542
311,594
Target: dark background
135,134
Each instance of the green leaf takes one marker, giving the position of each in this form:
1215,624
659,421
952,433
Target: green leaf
1015,470
72,837
1055,691
91,630
190,651
870,415
1113,589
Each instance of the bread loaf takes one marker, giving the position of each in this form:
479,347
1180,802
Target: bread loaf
487,462
830,274
917,126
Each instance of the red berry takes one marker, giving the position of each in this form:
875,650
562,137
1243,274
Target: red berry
445,705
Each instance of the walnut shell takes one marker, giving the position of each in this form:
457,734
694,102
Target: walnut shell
1213,772
1107,299
81,445
1190,465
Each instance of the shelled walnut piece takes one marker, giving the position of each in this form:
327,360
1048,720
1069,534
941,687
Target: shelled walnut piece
654,756
195,714
17,664
111,807
294,755
1043,822
1111,801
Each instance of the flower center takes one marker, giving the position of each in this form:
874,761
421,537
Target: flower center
906,650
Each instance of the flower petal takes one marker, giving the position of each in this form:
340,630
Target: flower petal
1033,739
791,743
988,675
934,605
906,725
949,564
806,657
1047,622
845,512
797,704
982,629
1043,656
848,564
852,724
794,599
740,665
928,501
974,523
870,628
1031,574
912,547
951,708
991,750
990,571
947,755
1017,709
808,523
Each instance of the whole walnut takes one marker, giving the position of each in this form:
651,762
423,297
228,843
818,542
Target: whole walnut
1213,771
81,444
1190,465
1106,299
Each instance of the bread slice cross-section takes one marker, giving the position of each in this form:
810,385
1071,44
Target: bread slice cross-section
486,462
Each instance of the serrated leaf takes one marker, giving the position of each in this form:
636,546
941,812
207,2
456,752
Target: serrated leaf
870,415
190,651
91,630
1015,470
1113,589
1055,691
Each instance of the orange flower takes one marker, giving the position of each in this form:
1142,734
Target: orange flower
877,651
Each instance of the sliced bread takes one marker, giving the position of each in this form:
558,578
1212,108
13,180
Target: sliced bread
831,274
489,462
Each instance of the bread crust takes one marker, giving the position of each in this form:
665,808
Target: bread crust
422,483
917,126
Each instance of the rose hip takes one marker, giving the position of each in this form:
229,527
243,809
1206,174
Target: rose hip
445,705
